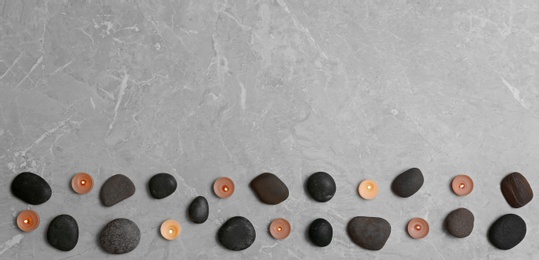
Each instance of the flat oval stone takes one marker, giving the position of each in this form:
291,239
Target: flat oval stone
516,190
120,236
162,185
320,232
269,188
31,188
117,188
321,186
459,222
237,234
369,232
63,232
507,232
407,183
199,210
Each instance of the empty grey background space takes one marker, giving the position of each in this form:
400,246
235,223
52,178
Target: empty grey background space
203,89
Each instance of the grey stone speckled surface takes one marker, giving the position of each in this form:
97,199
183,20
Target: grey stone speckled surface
198,89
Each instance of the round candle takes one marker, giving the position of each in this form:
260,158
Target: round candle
418,228
82,183
462,185
280,228
223,187
368,189
170,229
28,220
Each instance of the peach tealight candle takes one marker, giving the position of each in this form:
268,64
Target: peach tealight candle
223,187
462,185
82,183
368,189
280,228
28,220
418,228
170,229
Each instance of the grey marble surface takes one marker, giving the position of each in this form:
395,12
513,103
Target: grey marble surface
360,89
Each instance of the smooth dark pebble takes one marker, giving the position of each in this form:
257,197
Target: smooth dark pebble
63,232
162,185
321,186
507,232
407,183
237,233
516,190
320,232
199,210
120,236
459,223
369,232
31,188
117,188
269,188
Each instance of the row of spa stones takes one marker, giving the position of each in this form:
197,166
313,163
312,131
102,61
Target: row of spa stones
123,235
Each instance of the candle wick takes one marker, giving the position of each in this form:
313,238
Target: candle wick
417,227
462,186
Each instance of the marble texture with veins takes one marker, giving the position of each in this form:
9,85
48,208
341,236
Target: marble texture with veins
203,89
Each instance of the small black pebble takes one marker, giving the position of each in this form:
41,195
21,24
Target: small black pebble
63,232
321,186
237,234
31,188
507,232
320,232
407,183
162,185
199,210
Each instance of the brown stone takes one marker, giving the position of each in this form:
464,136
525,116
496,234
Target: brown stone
269,188
516,190
460,222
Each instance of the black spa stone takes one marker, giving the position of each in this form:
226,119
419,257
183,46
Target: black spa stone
237,233
120,236
407,183
31,188
162,185
63,232
460,222
269,188
320,232
199,210
117,188
369,232
507,232
321,186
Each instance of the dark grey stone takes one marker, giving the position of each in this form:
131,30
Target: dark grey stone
237,233
369,232
162,185
321,186
31,188
320,232
63,232
269,188
460,222
199,210
120,236
507,231
407,183
117,188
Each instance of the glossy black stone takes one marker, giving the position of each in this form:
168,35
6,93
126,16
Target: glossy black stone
31,188
199,210
407,183
237,234
119,236
460,222
269,188
117,188
320,232
507,231
63,232
162,185
369,232
321,186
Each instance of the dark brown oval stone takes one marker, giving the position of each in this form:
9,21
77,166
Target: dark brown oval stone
407,183
369,232
460,222
516,190
269,188
117,188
